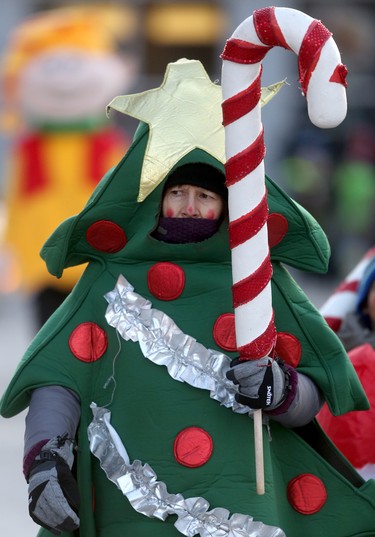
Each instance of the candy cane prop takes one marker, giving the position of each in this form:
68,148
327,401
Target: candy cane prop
322,79
343,300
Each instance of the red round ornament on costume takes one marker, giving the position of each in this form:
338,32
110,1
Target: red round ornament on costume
277,226
193,447
88,342
306,494
106,236
166,280
288,348
224,332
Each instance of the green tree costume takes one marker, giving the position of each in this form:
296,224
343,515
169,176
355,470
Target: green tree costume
151,411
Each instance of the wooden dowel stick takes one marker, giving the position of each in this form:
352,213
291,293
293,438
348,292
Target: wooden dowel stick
259,460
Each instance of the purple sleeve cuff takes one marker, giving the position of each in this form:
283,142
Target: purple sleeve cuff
291,377
30,456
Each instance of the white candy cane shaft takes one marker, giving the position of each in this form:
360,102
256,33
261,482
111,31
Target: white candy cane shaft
322,79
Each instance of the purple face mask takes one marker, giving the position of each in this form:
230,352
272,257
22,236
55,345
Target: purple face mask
185,230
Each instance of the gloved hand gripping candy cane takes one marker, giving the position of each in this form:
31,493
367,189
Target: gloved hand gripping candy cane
322,79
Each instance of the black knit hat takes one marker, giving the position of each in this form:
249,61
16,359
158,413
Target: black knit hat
199,174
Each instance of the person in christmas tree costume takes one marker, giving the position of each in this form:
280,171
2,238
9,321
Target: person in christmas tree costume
61,143
133,368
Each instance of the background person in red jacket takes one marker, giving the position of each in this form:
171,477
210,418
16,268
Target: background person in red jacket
354,432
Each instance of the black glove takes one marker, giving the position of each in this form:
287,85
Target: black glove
53,491
261,382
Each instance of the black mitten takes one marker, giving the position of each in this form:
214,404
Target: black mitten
261,382
53,491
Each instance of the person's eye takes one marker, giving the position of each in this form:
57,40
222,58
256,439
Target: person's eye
204,196
175,192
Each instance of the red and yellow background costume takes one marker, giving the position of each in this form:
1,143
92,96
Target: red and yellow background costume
61,145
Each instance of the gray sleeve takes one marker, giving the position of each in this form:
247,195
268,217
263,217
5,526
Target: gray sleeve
305,405
53,411
352,333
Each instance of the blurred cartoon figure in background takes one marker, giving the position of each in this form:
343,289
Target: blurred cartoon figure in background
62,141
350,311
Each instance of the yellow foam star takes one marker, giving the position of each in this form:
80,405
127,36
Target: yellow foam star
184,113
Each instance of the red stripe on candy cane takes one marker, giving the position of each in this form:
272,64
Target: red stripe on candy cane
240,51
352,287
243,163
242,103
309,54
242,229
268,29
250,287
339,75
260,346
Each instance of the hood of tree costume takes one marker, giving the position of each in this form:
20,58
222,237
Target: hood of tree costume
143,334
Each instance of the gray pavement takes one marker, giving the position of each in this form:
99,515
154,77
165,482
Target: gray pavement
16,331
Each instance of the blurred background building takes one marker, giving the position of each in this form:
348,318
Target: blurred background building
330,172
